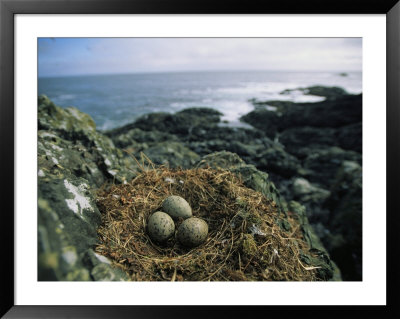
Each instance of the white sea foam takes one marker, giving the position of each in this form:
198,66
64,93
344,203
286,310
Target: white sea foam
227,92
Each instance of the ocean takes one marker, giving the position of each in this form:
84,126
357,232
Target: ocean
118,99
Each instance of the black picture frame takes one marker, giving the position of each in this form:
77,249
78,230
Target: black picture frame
8,8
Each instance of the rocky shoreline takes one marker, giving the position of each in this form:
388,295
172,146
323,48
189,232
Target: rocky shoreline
304,156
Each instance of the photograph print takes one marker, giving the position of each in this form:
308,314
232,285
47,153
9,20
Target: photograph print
199,159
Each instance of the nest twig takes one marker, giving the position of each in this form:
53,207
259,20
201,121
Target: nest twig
244,240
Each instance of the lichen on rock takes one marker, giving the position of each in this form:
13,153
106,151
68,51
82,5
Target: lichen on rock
73,160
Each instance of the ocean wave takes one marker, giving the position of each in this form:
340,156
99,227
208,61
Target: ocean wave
113,101
65,97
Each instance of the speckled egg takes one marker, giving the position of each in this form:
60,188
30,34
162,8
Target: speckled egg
160,226
176,207
192,232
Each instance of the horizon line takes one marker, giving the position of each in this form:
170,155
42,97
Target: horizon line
190,71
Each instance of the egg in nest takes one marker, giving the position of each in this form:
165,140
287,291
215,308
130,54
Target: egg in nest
176,207
160,226
192,232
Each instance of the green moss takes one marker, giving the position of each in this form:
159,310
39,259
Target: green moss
284,224
78,275
104,272
48,260
249,246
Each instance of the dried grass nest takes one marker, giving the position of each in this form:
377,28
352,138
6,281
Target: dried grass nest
245,241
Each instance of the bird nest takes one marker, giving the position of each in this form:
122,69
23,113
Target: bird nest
246,241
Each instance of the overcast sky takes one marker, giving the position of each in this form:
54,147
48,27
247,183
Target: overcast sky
78,56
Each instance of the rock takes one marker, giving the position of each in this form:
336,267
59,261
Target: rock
57,256
322,166
60,157
67,230
91,259
68,121
247,151
345,222
202,114
250,144
324,137
137,136
73,160
304,190
69,137
277,161
319,255
301,141
102,268
227,134
349,137
73,201
251,177
247,143
172,154
180,123
344,110
328,92
313,198
265,120
104,272
67,221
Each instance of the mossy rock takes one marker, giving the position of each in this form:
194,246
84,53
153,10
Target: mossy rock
68,120
317,255
72,201
69,137
58,258
251,176
172,154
